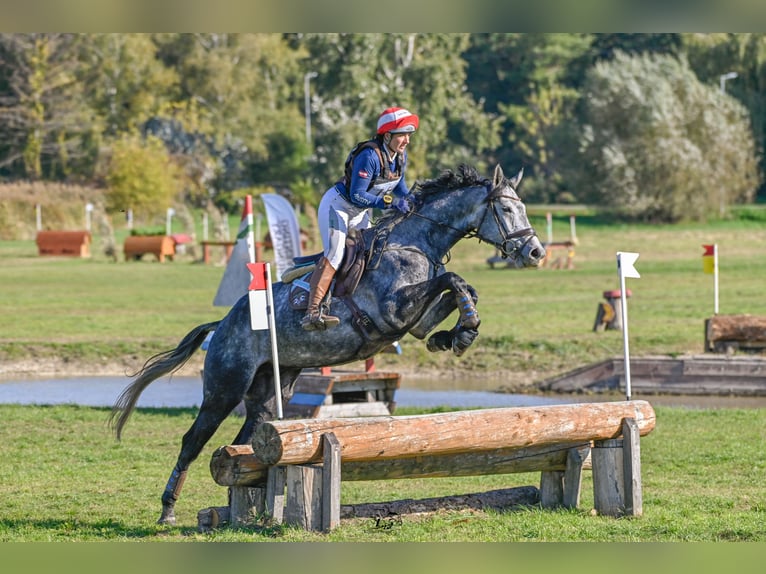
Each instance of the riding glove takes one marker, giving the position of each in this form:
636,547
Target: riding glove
403,204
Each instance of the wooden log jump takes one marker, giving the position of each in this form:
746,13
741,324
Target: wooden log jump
379,438
724,333
70,243
309,457
160,246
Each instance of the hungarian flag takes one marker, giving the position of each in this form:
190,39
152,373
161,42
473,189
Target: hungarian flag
235,277
709,258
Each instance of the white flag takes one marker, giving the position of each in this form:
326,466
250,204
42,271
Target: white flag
625,264
283,229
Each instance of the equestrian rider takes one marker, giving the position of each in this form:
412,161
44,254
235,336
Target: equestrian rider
374,177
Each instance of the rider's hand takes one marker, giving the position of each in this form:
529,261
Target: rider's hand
403,204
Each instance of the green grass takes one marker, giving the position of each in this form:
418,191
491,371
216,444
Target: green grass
534,322
702,474
63,477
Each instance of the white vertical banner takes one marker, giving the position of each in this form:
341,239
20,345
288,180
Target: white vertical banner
626,269
262,318
283,229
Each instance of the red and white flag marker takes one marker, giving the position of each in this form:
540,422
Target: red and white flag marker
625,268
262,317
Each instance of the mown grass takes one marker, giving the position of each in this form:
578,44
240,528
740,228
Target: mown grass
535,323
65,478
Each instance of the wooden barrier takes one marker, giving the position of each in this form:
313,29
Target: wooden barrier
228,248
555,440
70,243
725,333
161,246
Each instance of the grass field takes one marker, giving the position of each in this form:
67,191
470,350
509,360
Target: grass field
535,323
63,477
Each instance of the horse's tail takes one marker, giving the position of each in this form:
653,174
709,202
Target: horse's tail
154,368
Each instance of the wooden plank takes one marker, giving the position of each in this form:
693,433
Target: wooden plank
576,459
276,481
317,384
246,504
226,470
608,478
374,409
375,438
551,488
304,497
631,457
331,476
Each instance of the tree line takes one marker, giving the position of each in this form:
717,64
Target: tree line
652,127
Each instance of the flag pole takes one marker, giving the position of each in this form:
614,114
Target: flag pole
273,334
625,339
715,274
625,268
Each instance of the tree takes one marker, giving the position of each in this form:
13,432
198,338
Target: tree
141,177
658,145
359,75
530,87
240,92
45,122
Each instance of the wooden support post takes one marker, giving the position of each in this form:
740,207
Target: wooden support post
551,488
631,456
608,478
304,496
246,504
275,493
330,482
573,476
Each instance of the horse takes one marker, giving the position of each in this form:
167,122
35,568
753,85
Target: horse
407,289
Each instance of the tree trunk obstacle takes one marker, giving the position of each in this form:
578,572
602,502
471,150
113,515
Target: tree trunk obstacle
725,333
292,471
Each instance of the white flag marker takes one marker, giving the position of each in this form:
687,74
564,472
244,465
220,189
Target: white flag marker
625,268
262,318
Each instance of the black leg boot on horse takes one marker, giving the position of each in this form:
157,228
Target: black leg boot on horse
321,278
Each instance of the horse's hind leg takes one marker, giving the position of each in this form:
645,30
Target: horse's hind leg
211,415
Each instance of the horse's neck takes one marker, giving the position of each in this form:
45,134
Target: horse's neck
444,222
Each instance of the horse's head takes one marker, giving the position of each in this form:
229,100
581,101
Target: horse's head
505,223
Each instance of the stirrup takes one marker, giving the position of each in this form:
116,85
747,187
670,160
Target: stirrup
317,321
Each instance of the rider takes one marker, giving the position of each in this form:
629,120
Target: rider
374,177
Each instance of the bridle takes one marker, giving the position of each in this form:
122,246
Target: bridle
513,241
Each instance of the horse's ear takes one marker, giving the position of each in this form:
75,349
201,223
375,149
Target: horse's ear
516,179
498,177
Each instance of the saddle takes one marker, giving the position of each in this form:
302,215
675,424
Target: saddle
356,258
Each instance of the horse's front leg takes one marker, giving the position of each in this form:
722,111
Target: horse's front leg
443,295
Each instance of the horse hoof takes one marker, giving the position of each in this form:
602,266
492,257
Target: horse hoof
463,340
441,341
167,517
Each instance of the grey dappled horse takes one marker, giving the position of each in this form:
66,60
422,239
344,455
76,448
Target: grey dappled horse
408,290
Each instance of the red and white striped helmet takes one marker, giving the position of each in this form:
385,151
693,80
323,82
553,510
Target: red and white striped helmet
397,121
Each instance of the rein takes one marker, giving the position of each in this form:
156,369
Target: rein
509,245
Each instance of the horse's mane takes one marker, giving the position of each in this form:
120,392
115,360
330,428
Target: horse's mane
465,176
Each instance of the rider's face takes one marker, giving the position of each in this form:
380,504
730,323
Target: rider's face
398,142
